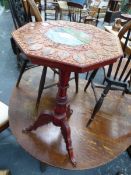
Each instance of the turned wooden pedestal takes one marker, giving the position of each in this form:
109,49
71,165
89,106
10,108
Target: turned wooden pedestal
107,137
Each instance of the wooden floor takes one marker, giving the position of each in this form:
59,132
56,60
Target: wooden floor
107,137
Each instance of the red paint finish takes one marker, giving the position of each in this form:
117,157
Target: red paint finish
60,115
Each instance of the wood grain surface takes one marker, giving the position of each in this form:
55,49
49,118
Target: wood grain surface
107,137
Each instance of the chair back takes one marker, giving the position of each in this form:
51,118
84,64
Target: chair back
125,33
32,9
75,9
18,13
22,12
51,9
121,71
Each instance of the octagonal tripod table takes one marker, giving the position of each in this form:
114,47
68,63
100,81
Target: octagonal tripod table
70,47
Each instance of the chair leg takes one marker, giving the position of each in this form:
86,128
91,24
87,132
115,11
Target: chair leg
76,81
13,45
92,76
41,86
99,103
104,76
60,14
93,88
21,71
56,13
86,76
130,81
55,71
70,16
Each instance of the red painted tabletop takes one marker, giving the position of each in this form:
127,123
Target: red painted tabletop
68,45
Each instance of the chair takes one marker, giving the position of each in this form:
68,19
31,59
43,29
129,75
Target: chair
4,119
90,18
113,11
63,8
95,10
27,9
20,18
75,10
22,13
117,76
31,10
51,8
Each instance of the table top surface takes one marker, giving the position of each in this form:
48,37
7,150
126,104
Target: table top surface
61,43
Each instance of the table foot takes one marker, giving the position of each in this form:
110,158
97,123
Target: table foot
44,118
65,129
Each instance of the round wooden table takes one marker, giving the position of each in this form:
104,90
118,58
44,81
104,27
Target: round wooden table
107,137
